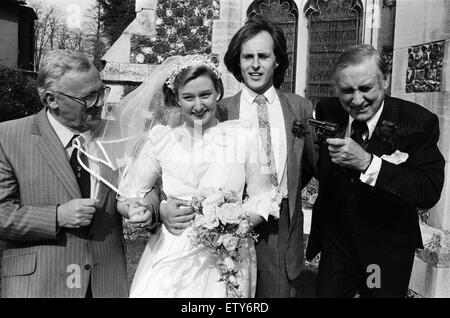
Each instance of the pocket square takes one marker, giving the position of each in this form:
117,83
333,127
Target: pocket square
396,158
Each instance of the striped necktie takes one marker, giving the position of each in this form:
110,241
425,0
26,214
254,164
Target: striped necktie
266,137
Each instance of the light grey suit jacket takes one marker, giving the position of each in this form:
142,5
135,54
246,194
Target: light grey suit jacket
299,151
38,261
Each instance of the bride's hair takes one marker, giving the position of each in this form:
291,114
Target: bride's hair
181,77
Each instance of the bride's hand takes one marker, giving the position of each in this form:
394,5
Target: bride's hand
176,215
138,212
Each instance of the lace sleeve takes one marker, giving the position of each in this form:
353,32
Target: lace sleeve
263,198
142,173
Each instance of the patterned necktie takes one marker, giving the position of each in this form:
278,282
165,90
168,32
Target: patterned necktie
83,177
266,137
359,128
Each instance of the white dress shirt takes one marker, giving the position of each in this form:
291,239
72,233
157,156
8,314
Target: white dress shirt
371,175
248,113
65,136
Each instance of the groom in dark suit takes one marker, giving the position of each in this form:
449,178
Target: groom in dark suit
384,166
257,56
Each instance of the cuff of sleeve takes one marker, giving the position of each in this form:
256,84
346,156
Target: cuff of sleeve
156,220
56,217
371,175
120,198
156,213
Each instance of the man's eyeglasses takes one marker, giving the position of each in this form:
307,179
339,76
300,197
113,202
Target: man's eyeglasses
92,99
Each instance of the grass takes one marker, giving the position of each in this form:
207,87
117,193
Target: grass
135,248
306,283
136,245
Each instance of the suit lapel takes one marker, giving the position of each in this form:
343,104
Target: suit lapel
110,176
293,154
390,113
54,154
336,114
234,105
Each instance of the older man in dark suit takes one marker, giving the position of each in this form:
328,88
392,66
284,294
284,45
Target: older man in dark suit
384,165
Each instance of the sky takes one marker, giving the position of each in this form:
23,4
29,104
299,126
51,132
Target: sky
74,9
63,4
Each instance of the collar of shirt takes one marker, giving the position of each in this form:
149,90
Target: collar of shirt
250,95
371,123
65,134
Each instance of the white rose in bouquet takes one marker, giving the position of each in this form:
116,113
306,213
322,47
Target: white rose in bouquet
229,263
243,228
230,213
206,221
209,211
229,241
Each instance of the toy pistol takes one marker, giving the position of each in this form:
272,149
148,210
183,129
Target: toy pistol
324,129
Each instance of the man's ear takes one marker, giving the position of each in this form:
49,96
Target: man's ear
50,100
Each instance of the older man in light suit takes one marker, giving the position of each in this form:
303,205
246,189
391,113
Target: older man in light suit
62,232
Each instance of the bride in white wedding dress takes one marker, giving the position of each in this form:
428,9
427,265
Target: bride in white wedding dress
197,154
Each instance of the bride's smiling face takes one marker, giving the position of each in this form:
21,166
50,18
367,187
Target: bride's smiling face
198,101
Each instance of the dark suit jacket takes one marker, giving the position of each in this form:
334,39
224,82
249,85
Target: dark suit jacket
384,222
38,261
299,150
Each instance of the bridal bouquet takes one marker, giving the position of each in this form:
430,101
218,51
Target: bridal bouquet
222,227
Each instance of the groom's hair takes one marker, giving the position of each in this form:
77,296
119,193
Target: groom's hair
186,75
255,25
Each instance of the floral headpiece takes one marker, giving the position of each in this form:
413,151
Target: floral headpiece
191,61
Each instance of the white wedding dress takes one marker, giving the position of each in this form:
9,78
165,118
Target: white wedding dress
227,155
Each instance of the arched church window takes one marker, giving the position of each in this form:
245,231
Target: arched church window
283,14
333,25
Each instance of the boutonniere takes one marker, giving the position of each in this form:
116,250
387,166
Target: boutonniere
394,134
298,128
386,130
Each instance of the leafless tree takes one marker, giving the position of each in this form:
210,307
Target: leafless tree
52,32
63,37
46,28
96,38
